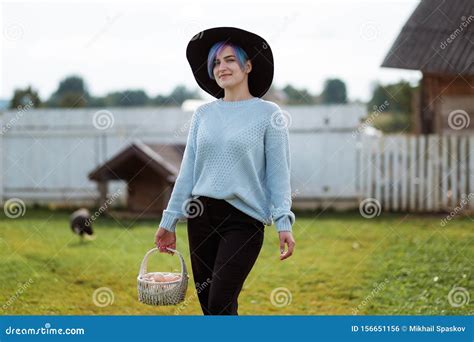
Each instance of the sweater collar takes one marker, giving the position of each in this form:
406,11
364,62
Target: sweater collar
232,104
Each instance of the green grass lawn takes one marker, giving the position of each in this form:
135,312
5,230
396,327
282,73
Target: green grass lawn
343,264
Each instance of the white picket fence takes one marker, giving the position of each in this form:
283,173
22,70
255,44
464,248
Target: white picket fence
425,173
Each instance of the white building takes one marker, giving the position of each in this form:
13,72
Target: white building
46,154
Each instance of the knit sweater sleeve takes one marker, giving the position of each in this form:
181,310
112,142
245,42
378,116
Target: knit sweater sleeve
184,182
278,166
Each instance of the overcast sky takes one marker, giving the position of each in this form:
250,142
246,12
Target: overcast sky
141,44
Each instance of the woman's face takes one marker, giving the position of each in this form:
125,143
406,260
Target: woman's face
227,70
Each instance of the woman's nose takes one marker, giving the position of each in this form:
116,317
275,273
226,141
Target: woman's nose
222,66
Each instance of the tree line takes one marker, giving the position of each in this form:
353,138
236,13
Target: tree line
72,92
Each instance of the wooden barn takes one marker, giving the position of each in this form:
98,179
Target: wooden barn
149,170
438,40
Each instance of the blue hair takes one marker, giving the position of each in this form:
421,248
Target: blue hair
241,55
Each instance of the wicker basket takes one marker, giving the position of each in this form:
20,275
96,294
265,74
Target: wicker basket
162,293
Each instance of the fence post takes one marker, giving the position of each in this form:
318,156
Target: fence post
444,172
470,171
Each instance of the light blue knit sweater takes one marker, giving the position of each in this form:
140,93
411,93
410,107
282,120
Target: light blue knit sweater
237,151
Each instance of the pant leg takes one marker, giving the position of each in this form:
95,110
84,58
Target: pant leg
203,244
240,241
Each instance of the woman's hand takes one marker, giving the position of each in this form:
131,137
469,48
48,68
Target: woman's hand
286,238
165,239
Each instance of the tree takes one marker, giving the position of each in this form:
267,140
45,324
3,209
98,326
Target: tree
71,92
127,98
298,96
180,94
97,101
25,97
398,95
160,100
334,91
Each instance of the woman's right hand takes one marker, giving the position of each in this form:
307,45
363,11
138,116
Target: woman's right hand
286,238
165,239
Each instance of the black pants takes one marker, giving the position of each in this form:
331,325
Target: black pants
224,245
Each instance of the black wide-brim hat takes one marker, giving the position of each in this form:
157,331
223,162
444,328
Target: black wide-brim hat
257,49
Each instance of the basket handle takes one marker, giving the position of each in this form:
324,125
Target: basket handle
143,267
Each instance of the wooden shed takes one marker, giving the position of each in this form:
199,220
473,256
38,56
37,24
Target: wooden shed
149,170
438,40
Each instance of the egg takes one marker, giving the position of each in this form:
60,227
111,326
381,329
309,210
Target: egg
173,277
158,278
161,278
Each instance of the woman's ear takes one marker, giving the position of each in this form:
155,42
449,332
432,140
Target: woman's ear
248,66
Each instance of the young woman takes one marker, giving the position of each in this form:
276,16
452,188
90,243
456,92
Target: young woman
235,173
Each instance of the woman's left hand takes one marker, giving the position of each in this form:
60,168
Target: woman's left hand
286,238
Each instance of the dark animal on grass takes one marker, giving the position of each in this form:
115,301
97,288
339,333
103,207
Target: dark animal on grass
81,224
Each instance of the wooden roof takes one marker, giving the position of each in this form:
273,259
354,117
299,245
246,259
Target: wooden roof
437,38
165,159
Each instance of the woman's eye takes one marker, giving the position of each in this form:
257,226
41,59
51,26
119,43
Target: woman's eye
227,60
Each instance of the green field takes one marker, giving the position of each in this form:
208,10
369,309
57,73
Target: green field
343,264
